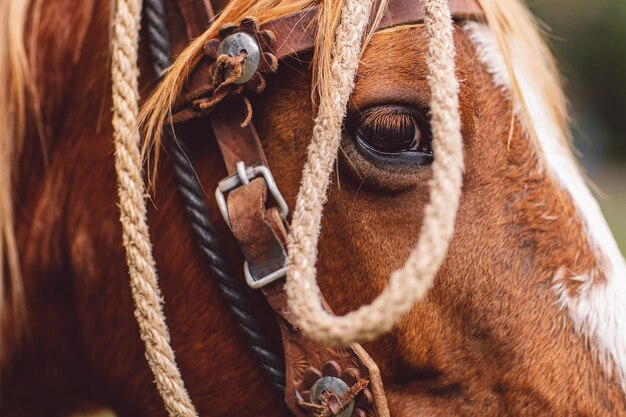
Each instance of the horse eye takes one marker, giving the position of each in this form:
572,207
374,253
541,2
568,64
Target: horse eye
390,130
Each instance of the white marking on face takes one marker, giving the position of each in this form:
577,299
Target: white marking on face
598,310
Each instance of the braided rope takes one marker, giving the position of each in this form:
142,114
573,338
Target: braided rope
411,282
198,214
228,284
131,191
158,35
303,293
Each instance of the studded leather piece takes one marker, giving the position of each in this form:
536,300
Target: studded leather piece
284,37
261,234
257,225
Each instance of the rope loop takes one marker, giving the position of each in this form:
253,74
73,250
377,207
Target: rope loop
406,286
410,283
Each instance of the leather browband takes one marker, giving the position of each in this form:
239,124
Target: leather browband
296,33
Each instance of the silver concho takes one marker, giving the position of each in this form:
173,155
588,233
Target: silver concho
233,44
334,385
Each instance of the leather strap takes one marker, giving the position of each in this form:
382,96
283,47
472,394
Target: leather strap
296,33
196,14
259,230
262,237
258,226
236,143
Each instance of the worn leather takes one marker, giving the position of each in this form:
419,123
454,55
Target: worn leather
260,232
236,143
296,33
196,14
256,223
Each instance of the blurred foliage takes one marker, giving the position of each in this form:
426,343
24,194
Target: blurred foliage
589,40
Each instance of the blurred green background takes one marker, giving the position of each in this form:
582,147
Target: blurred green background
589,41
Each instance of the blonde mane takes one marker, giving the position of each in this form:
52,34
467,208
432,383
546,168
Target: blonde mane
16,88
509,20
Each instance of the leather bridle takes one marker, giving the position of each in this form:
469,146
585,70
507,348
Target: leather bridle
333,381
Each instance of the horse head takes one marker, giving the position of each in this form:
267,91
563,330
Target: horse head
525,315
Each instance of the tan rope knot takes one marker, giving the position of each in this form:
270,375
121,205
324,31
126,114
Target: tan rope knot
225,72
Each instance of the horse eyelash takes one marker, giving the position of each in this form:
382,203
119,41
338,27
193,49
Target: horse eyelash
384,119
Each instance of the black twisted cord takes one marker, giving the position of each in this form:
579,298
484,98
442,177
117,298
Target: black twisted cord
158,35
193,197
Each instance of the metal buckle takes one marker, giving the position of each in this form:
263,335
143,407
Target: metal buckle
267,279
243,177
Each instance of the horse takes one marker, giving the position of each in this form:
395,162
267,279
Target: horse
525,317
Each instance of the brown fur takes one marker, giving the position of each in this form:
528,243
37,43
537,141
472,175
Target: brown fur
488,340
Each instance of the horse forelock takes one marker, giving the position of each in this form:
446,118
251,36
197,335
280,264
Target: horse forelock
592,290
156,110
